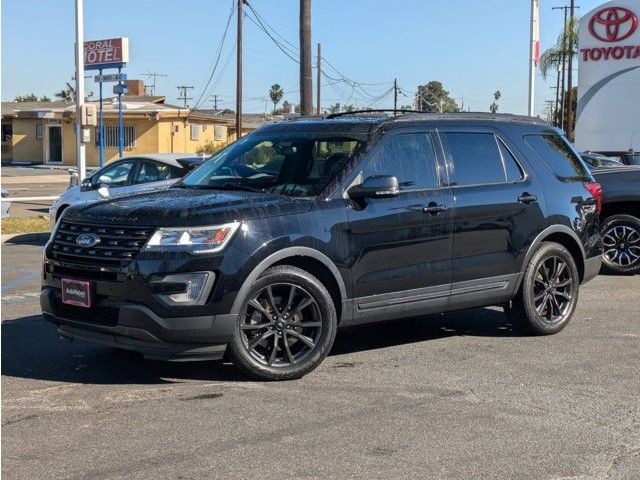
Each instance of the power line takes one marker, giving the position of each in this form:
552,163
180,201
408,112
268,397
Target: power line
217,60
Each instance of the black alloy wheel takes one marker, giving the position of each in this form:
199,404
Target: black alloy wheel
548,294
287,325
553,289
621,244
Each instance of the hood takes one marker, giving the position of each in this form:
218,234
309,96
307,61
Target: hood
187,207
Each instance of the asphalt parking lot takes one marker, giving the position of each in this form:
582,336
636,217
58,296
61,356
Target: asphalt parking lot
455,396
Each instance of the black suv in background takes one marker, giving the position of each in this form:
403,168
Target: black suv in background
304,226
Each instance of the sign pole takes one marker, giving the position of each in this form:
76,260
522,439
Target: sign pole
534,53
80,149
120,125
101,128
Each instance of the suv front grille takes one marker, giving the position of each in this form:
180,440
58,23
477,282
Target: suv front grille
118,245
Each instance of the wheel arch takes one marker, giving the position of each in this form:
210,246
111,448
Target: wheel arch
312,261
620,208
564,236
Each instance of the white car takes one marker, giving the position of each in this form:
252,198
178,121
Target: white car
128,176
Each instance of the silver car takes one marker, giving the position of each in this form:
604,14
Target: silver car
127,176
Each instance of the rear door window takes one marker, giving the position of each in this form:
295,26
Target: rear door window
511,166
558,157
476,158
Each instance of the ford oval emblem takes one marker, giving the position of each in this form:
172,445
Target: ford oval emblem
87,240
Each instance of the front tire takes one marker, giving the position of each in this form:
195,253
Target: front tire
286,327
549,292
621,241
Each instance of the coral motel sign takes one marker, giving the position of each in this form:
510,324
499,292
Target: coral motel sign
109,53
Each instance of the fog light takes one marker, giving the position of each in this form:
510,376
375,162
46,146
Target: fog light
185,289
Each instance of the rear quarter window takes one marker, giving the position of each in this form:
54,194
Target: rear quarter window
558,157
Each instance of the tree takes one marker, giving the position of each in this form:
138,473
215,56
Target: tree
26,98
67,94
493,108
552,59
276,93
432,97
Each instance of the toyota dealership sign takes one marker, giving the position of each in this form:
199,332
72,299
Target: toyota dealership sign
608,115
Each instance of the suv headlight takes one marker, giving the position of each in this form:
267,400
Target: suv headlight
193,239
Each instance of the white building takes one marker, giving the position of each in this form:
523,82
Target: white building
608,112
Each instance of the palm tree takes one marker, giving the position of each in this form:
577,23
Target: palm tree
67,94
553,59
493,108
276,93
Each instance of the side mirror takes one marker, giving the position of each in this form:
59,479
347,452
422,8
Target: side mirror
378,186
86,184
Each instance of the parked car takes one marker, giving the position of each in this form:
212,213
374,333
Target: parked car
620,218
596,160
629,157
366,219
131,175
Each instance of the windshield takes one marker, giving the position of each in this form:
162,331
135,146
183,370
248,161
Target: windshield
297,166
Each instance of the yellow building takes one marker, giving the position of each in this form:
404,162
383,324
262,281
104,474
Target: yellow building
44,133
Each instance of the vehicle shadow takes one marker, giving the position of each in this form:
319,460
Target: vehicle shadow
31,349
480,322
30,239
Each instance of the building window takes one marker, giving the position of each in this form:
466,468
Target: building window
195,132
218,133
111,136
39,131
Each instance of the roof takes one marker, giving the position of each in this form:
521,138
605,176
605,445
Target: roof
110,108
10,108
139,98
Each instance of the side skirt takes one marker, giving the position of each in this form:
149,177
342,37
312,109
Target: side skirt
427,300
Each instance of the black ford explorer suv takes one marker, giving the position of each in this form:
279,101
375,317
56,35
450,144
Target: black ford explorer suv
305,226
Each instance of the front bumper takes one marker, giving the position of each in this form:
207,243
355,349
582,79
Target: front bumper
135,327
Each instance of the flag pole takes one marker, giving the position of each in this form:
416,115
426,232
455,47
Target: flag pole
534,53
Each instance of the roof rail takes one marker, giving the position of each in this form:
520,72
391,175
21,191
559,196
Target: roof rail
376,110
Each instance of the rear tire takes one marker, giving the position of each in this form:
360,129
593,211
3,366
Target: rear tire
286,327
621,241
549,292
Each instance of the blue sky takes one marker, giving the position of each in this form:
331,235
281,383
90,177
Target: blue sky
473,47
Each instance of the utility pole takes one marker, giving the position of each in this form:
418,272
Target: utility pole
239,71
184,94
395,95
306,85
80,148
555,110
215,102
570,77
564,59
318,80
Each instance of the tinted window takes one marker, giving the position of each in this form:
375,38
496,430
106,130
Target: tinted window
558,157
115,175
151,171
410,157
476,158
293,165
511,167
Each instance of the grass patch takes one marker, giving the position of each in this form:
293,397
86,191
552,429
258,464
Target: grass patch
25,225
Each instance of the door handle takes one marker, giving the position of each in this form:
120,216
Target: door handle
434,209
527,198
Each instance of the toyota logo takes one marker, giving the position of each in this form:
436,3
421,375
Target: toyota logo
87,240
613,24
